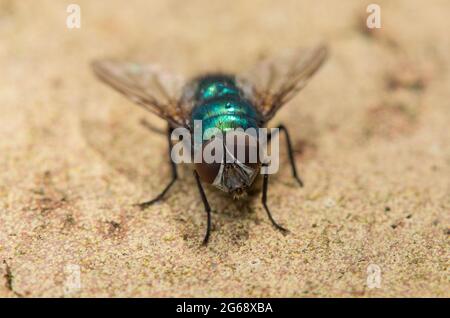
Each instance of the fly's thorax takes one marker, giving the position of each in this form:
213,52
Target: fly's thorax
224,114
220,104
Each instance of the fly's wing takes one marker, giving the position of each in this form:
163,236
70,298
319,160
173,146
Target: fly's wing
273,82
146,85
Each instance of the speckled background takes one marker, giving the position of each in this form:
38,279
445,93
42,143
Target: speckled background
371,133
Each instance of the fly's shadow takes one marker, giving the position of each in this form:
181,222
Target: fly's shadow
126,147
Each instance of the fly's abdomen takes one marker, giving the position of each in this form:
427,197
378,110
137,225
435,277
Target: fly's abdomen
220,105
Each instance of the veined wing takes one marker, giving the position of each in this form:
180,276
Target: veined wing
273,82
147,85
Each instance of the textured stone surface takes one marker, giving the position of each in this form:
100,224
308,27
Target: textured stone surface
371,133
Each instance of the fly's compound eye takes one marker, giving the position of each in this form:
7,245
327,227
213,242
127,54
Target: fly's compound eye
211,160
243,148
207,171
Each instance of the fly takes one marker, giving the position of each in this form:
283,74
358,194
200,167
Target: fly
224,102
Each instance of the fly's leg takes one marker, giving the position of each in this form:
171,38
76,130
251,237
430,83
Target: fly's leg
264,202
143,205
290,154
152,128
207,208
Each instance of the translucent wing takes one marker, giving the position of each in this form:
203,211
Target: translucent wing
146,85
273,82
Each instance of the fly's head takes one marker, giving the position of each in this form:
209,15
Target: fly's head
236,166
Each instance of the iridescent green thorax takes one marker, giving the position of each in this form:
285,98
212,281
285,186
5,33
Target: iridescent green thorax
219,104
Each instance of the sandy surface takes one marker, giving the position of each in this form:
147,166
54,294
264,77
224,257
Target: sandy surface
371,133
